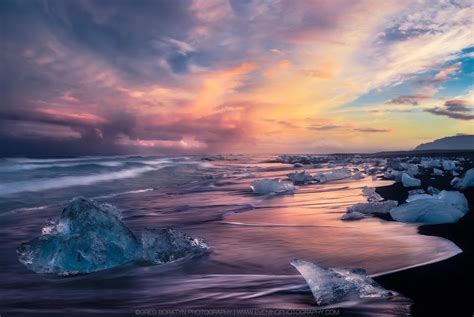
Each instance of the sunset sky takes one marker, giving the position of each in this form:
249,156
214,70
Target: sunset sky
243,76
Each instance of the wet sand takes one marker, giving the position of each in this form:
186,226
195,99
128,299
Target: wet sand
443,288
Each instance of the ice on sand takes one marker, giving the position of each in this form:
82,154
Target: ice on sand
271,186
335,285
89,236
409,181
445,207
466,182
300,178
373,207
165,245
333,175
352,216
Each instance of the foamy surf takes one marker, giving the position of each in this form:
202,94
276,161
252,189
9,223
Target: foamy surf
36,185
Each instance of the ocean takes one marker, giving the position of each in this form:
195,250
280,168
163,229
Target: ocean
252,237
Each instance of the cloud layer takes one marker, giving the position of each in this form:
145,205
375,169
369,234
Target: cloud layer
208,76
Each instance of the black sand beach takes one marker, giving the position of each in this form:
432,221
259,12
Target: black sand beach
443,288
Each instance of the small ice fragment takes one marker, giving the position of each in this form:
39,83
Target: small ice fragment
432,190
335,285
165,245
371,194
373,207
456,182
352,215
416,191
300,178
358,175
298,165
412,169
269,186
437,172
449,165
409,181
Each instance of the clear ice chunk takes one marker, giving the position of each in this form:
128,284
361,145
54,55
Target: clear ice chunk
353,216
87,237
429,211
166,245
271,186
373,207
409,181
336,285
300,178
466,182
333,175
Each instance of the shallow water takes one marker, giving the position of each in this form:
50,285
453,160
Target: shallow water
253,238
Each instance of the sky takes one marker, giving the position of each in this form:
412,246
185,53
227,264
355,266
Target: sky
237,76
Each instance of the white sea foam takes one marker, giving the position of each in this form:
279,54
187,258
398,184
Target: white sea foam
69,181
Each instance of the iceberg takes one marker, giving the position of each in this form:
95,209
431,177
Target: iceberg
373,207
446,208
271,186
87,237
300,178
166,245
409,181
336,285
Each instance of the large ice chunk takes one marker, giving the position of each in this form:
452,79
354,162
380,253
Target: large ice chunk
454,198
409,181
166,245
87,237
373,207
335,285
430,211
271,186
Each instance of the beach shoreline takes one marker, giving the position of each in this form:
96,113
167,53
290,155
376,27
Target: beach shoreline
441,288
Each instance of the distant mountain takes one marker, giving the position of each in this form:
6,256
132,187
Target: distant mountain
457,142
